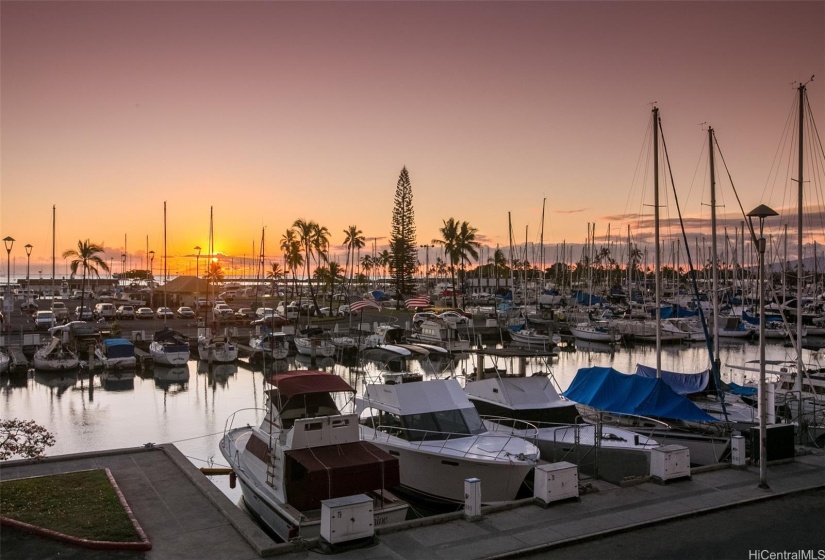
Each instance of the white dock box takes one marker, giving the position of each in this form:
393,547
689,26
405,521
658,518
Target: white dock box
347,519
669,461
556,481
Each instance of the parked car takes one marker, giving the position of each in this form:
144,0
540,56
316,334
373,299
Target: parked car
344,310
125,312
329,312
453,317
60,310
144,313
44,320
222,311
289,311
104,311
186,312
264,311
244,313
422,316
227,296
29,307
164,313
202,302
270,321
83,313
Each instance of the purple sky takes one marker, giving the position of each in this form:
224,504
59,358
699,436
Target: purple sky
272,111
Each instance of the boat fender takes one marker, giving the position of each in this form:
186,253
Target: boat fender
232,479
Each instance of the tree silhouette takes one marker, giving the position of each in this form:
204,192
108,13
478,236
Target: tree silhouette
86,258
403,249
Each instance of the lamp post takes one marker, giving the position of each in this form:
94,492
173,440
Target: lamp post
761,212
122,266
29,248
152,277
197,261
7,301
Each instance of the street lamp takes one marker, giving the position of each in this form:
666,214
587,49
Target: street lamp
122,267
28,248
761,212
9,242
197,262
151,266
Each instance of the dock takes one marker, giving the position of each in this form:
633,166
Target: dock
19,362
186,516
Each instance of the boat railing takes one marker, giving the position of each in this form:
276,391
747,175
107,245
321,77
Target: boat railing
229,425
645,425
527,430
438,441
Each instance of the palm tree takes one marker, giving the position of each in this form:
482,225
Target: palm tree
367,264
86,257
353,240
314,239
467,246
459,242
214,272
293,258
274,274
384,259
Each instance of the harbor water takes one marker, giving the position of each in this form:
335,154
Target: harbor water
189,406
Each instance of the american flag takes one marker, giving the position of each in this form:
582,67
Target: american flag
417,301
359,305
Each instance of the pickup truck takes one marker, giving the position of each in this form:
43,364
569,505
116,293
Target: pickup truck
61,312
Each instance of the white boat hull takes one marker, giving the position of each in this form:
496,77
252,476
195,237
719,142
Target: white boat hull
431,473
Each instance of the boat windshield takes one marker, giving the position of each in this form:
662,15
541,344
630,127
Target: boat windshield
437,425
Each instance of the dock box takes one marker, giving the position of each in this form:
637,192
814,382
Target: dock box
556,481
669,462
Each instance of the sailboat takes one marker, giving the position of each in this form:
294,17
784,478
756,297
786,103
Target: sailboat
214,347
675,418
168,347
800,388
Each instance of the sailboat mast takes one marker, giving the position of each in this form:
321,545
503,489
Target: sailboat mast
714,265
799,268
657,274
54,224
165,266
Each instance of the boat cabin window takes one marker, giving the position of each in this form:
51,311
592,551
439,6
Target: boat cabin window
435,425
307,406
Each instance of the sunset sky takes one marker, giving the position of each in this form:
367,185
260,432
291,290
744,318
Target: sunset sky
273,111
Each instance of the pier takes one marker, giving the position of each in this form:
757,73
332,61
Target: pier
161,485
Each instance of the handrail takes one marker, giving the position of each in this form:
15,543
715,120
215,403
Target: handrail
445,438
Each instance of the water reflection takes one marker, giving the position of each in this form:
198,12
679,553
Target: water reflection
121,380
61,381
171,379
189,406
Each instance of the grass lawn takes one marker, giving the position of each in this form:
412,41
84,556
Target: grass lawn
82,504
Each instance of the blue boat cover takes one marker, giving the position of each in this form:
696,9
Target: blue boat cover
118,348
606,389
737,389
681,383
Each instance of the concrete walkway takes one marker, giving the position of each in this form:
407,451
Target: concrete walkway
186,516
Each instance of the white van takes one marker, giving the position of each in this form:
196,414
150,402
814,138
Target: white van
104,311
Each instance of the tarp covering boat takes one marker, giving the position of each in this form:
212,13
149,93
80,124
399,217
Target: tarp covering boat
118,348
681,383
302,382
358,467
606,389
